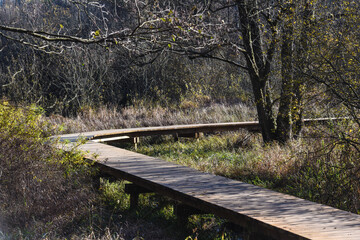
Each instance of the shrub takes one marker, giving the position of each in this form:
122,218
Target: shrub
42,189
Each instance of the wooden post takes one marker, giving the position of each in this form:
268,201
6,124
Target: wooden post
183,212
195,135
258,236
96,179
135,191
198,135
136,141
176,137
134,200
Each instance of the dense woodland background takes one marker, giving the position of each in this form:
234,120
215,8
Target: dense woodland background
284,56
117,63
79,76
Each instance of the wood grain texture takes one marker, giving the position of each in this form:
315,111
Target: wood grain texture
277,215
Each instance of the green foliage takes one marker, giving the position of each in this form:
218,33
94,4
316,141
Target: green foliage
221,154
113,194
21,122
159,211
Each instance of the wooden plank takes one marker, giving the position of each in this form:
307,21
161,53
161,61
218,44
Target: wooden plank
112,139
162,130
273,214
177,129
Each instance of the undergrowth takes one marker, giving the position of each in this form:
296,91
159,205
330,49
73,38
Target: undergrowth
42,189
158,213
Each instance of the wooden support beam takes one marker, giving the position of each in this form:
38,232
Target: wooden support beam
191,135
258,236
183,212
195,135
136,141
134,191
97,176
133,188
119,139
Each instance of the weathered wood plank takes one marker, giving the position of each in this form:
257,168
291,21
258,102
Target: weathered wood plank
274,214
162,130
177,129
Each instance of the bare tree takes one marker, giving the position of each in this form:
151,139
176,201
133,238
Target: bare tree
253,36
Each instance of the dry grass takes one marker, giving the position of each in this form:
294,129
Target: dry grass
144,116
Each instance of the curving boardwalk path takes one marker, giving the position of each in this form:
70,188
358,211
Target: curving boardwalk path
276,215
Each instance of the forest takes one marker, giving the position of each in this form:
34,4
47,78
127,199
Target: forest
72,66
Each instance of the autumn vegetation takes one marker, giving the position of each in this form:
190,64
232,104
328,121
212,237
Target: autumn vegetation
73,66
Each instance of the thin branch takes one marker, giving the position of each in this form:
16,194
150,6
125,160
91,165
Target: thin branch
50,37
221,8
219,59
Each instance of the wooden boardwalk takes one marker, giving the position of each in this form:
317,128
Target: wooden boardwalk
176,129
273,214
164,130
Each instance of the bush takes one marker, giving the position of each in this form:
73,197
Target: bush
42,189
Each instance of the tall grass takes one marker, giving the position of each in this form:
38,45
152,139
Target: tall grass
144,115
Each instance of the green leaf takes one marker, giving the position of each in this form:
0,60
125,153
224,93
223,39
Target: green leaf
61,26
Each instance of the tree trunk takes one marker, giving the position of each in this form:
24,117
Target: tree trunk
264,109
284,117
301,56
258,66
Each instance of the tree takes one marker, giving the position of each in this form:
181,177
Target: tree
334,63
254,30
254,36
